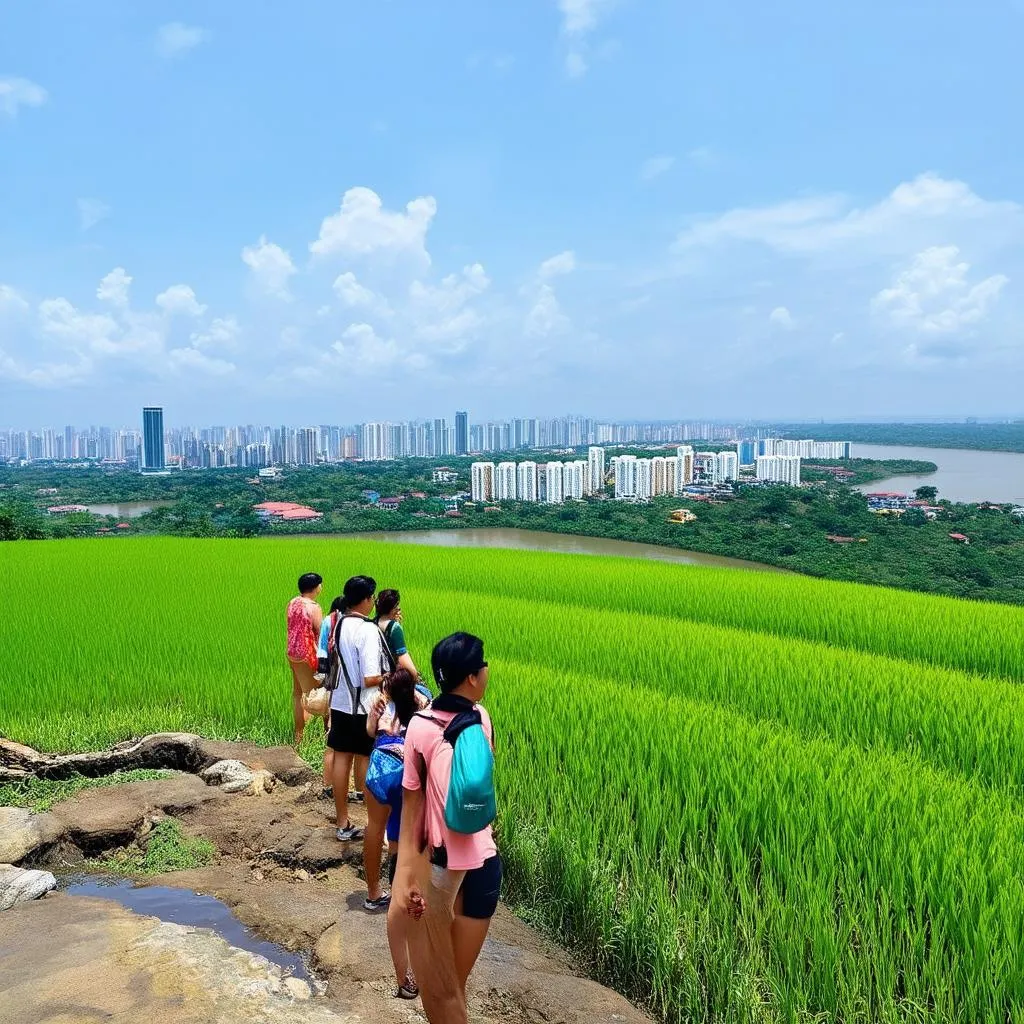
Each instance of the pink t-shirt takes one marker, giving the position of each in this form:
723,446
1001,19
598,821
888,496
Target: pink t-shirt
465,853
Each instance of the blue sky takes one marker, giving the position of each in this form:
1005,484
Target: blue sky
344,211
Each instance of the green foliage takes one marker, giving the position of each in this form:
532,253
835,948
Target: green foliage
41,794
740,796
168,847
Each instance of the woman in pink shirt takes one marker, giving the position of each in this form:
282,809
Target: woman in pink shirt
304,619
448,882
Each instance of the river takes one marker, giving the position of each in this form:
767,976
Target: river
963,474
127,509
535,540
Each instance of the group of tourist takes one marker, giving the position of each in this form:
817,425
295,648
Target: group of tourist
401,743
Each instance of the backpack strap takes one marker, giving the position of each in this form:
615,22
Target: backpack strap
344,667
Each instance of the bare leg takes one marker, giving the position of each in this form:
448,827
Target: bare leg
373,843
432,951
468,934
298,709
398,932
359,772
342,768
328,755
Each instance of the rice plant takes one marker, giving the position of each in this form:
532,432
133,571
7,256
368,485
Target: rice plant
740,797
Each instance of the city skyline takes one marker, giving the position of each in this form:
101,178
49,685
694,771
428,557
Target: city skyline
637,205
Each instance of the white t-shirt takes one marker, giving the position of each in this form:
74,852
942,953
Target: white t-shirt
361,646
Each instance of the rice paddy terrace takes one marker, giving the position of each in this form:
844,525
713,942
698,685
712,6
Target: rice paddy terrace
739,796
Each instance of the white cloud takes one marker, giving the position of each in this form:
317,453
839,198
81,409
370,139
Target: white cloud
655,167
545,315
20,92
91,212
703,156
817,223
180,299
441,313
555,266
60,319
271,267
223,331
934,296
361,350
114,287
579,20
193,361
781,317
351,292
363,227
176,39
45,375
11,301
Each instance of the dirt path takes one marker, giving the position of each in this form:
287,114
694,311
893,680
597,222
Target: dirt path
70,959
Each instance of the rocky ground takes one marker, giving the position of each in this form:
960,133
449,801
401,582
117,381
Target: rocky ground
69,959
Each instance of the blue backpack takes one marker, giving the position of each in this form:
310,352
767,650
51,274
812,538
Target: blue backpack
471,805
386,768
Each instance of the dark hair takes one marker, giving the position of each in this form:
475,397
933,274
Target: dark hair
309,581
400,688
338,604
387,602
358,589
455,658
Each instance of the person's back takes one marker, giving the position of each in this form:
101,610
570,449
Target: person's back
303,618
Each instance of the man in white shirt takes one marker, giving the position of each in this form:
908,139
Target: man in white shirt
359,646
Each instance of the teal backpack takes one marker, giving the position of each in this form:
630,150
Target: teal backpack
471,805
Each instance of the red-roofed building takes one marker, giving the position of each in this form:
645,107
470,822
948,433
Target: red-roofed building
276,507
124,526
299,514
960,538
390,504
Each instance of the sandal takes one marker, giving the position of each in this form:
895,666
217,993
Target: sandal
407,991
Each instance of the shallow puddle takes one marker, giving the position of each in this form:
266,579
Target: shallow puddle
183,906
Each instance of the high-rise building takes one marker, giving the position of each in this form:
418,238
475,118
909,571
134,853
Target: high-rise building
684,467
482,481
506,486
746,452
574,480
595,471
644,480
624,467
555,491
727,466
153,440
783,469
461,433
527,482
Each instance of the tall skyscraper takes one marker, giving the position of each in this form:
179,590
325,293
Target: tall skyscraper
461,433
595,460
153,440
555,488
528,484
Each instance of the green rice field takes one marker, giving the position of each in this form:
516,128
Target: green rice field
739,797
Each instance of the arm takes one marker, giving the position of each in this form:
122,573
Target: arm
406,891
373,719
316,614
404,661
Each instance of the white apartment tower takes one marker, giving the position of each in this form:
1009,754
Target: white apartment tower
644,480
482,481
624,467
555,492
727,466
506,489
574,480
684,467
782,469
528,487
595,470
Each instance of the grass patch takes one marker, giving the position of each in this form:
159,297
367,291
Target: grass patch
42,794
168,848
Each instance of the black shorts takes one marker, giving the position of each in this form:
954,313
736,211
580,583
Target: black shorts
348,735
480,889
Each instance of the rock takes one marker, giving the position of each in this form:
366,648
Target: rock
297,989
17,885
322,851
232,776
22,833
282,762
302,875
262,782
